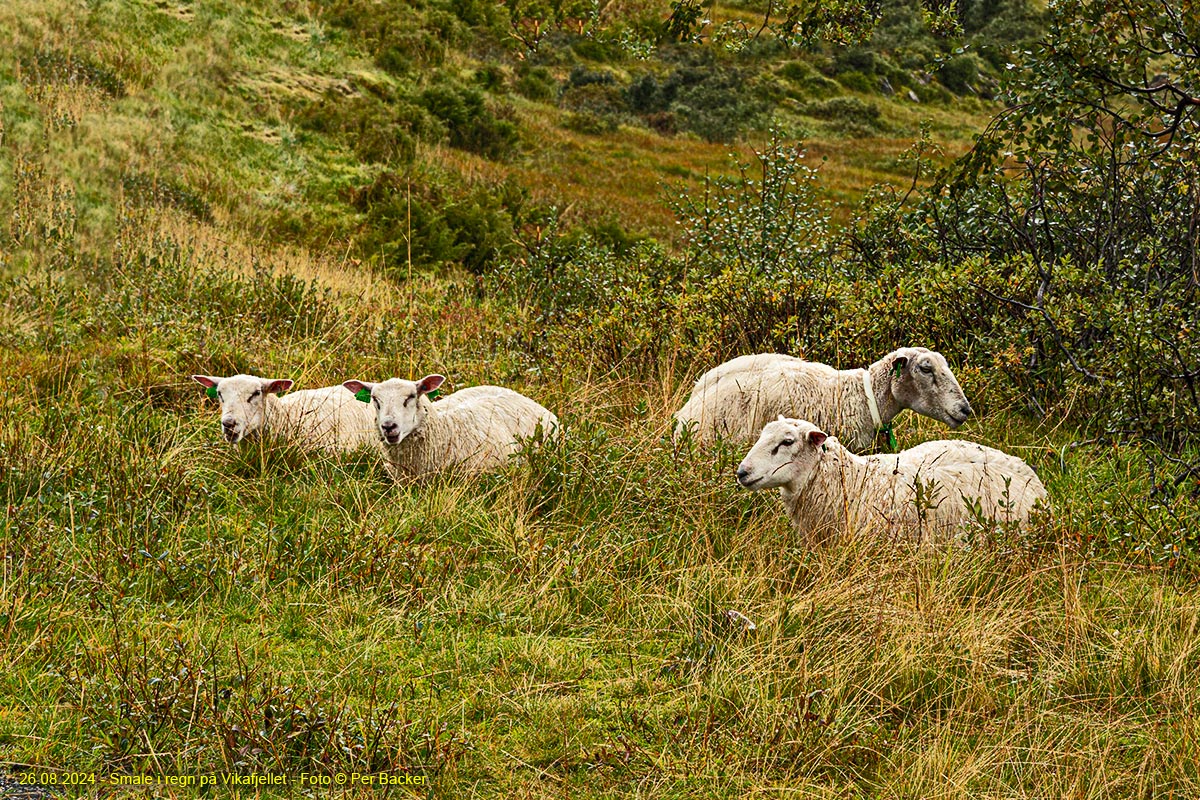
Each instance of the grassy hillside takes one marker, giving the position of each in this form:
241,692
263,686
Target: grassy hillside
210,187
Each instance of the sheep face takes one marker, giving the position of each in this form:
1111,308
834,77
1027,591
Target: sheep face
400,406
924,383
243,402
786,453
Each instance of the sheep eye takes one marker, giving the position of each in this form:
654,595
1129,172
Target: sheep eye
928,370
788,442
255,393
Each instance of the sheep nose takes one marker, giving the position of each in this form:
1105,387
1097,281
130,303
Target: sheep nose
389,428
228,424
966,410
742,474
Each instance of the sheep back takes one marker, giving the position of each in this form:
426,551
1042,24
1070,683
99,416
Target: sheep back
472,430
329,418
736,399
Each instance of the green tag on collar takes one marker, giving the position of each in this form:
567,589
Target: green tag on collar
211,391
363,395
891,437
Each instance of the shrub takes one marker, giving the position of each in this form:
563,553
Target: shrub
1084,195
959,72
809,80
858,82
538,83
717,106
470,122
53,66
856,59
595,98
645,94
766,221
590,123
582,76
848,113
471,227
377,130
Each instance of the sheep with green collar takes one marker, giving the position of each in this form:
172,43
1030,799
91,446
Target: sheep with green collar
736,399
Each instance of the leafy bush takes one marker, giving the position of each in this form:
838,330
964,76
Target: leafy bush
856,59
471,123
755,275
1084,197
848,113
959,72
380,130
859,82
46,66
401,39
598,99
538,83
590,123
713,101
582,76
809,80
473,227
717,104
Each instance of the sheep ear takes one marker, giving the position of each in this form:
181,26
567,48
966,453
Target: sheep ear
209,383
360,390
817,438
429,383
782,418
276,386
898,365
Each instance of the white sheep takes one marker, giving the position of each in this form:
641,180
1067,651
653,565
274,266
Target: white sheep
736,399
473,430
328,418
934,488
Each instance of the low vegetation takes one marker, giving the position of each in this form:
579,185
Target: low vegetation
306,192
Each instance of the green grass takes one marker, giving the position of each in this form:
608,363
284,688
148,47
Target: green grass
169,604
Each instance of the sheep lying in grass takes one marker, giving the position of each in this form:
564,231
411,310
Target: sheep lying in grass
735,400
473,430
932,489
328,418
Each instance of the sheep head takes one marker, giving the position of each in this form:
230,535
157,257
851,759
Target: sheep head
243,401
786,454
400,406
922,381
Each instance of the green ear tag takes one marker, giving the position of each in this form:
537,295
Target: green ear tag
363,395
211,392
434,394
891,436
897,370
